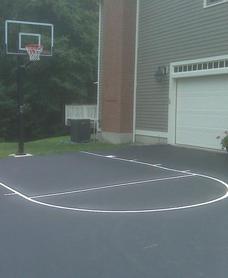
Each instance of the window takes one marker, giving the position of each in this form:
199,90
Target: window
209,65
209,3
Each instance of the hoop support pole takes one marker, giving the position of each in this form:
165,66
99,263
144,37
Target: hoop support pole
20,107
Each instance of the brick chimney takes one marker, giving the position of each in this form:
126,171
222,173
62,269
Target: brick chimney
117,69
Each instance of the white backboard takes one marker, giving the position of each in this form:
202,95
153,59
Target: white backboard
18,34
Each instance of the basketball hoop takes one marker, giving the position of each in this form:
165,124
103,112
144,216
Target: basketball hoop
34,51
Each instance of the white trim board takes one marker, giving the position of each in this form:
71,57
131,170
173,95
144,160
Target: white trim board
200,73
151,133
202,60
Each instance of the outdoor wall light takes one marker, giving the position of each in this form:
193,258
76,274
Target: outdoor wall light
161,74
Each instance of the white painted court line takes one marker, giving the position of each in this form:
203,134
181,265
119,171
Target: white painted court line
137,162
123,211
9,194
109,186
129,211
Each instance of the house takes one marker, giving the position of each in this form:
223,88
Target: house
163,71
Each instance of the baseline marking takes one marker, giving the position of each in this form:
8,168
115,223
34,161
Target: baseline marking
108,186
137,162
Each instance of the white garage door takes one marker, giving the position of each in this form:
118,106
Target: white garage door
202,110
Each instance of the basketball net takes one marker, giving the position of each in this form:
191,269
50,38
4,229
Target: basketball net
34,51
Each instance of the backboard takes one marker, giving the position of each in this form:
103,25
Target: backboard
18,34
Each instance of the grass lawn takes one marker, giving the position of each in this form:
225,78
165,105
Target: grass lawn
54,145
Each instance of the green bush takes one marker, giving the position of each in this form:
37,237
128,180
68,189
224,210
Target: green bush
225,142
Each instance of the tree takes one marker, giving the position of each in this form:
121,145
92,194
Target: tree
66,77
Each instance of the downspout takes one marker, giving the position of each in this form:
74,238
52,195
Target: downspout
136,71
99,66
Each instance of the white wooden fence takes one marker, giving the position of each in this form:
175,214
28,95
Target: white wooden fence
80,112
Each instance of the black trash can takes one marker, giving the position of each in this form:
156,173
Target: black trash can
79,130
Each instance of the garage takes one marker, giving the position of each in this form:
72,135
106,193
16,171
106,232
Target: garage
201,110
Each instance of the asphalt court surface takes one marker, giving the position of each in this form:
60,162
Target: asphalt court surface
142,196
40,175
105,214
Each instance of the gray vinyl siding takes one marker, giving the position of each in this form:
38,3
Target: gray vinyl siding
171,31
